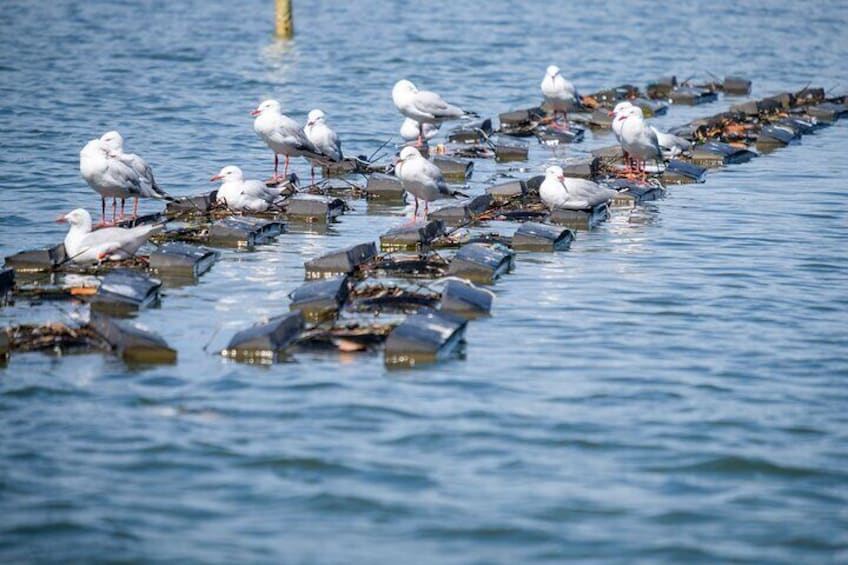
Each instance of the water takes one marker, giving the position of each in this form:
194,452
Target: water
671,389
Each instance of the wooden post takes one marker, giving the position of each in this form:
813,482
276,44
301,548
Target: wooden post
284,27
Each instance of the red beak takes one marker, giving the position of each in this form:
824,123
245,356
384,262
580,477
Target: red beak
61,220
216,177
255,112
611,114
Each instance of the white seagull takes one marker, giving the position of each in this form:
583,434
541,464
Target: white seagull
618,116
114,143
410,130
111,178
282,134
559,191
242,195
325,140
422,179
423,106
85,246
559,93
639,141
670,144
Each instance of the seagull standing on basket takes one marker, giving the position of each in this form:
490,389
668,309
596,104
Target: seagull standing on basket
424,107
559,191
325,140
282,134
85,246
111,178
422,179
114,144
560,94
242,195
639,141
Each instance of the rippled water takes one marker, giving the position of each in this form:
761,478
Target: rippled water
671,389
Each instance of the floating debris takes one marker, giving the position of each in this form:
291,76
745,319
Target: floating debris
131,342
507,191
462,298
416,237
453,169
266,341
382,297
533,236
481,263
424,338
123,292
320,300
384,187
314,209
53,338
244,232
342,262
462,213
180,261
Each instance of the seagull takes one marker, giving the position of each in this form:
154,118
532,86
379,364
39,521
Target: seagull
559,191
242,195
282,134
114,144
323,138
618,115
108,177
410,130
423,106
638,140
559,93
422,179
670,144
85,246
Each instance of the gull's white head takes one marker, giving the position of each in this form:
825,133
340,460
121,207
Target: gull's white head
113,141
620,108
314,117
229,173
554,172
409,153
78,218
552,71
266,106
403,87
633,111
94,147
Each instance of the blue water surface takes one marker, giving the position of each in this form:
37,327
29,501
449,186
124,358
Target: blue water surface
672,389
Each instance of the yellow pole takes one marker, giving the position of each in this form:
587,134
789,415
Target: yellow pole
284,28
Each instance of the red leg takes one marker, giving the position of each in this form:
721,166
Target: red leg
135,209
286,171
102,212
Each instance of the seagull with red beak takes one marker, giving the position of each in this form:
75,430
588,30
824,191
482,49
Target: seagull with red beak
422,179
560,94
242,195
325,140
282,134
85,246
559,191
